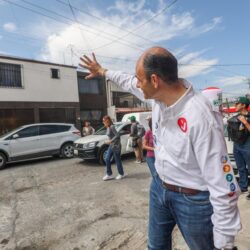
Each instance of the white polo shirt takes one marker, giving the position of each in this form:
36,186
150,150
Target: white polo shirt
190,151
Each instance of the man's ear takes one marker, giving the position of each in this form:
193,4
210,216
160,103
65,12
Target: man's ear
155,80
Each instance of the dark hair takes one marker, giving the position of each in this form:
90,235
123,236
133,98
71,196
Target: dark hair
150,123
164,65
107,118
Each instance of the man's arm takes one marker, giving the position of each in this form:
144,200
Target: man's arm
211,154
245,122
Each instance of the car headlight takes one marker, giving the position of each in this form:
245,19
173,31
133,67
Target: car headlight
92,144
89,145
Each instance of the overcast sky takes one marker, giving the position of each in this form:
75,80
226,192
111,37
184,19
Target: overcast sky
209,38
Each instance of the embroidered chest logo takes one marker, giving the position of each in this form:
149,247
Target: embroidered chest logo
182,122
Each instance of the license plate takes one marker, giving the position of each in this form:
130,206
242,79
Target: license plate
75,152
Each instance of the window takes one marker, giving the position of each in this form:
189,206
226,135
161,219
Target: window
10,75
89,86
55,73
65,115
52,129
91,115
28,132
12,118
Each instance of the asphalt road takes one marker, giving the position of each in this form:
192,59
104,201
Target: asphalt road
64,204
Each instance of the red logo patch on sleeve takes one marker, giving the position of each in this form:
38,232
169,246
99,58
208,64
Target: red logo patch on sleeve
182,122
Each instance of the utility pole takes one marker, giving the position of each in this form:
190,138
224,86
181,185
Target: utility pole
71,50
248,81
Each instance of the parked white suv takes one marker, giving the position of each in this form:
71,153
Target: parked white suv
37,140
94,147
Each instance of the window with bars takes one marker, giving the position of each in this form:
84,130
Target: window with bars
55,73
10,75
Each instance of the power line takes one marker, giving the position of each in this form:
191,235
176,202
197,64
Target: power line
109,23
216,65
93,31
65,22
138,27
118,39
74,15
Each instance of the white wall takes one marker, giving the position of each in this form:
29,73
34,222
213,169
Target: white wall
38,86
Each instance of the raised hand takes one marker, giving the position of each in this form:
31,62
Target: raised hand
242,119
93,66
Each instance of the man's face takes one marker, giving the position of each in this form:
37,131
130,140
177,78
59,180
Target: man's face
239,106
142,82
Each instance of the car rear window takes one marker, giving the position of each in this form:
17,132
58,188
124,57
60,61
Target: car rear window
52,129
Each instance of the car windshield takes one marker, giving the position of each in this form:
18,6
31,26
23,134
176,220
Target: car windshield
103,130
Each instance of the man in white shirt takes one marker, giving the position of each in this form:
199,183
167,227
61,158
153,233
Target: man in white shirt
195,188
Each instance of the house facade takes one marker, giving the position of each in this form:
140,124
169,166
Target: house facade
34,91
93,99
121,102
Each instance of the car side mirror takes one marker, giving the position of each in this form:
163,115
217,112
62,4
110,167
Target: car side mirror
15,136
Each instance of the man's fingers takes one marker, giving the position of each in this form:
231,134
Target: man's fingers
84,66
90,76
85,61
94,58
87,58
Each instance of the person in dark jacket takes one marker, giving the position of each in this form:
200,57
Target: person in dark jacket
242,151
136,140
113,149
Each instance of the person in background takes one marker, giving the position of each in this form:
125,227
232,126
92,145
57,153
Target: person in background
148,144
242,151
195,186
136,140
114,149
87,129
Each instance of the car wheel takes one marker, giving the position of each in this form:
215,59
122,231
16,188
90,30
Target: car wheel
102,155
67,150
2,160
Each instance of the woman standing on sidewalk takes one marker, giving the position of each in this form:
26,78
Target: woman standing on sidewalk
148,144
113,149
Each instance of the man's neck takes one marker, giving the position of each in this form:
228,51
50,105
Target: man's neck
171,94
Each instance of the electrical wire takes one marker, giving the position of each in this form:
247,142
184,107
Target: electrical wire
109,23
93,31
138,27
68,23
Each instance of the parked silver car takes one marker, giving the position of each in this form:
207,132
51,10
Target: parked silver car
37,140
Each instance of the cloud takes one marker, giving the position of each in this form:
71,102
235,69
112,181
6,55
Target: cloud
206,27
123,6
192,64
10,27
233,86
117,48
232,81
